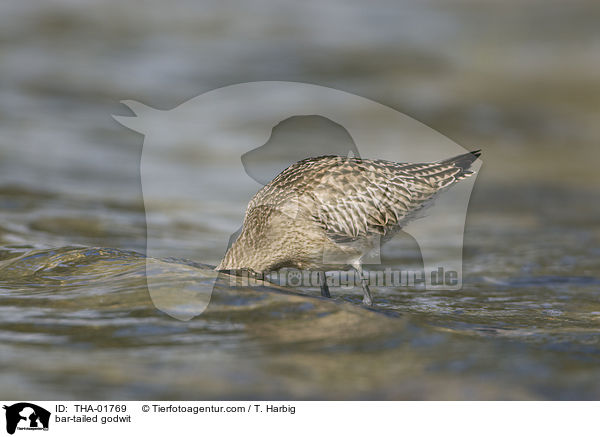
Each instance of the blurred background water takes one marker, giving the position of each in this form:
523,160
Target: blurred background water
518,79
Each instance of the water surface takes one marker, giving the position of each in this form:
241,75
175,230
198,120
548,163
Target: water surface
76,318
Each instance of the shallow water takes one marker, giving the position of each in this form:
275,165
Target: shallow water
76,317
77,321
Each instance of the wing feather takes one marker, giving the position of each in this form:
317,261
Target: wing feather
352,198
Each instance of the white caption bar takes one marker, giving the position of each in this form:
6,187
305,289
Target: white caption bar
263,418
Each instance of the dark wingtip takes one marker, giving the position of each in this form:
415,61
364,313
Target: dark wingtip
463,161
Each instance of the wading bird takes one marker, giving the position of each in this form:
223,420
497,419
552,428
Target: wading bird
327,213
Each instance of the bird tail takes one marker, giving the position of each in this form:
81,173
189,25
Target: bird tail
448,172
463,162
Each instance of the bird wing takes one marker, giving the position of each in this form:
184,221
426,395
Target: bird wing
382,196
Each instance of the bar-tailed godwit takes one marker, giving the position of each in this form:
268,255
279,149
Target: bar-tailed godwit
325,213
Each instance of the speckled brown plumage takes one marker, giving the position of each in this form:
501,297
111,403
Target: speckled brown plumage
325,213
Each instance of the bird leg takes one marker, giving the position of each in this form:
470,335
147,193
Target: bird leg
324,287
367,298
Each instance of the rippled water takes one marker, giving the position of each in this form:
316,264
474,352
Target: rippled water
76,317
77,321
